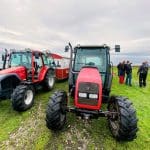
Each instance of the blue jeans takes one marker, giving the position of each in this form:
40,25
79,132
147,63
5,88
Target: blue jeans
128,79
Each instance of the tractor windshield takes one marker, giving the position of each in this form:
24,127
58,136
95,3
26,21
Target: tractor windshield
90,57
20,59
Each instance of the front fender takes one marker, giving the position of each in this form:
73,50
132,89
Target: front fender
7,84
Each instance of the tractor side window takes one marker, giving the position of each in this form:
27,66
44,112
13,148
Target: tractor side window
38,61
26,61
15,60
45,60
20,59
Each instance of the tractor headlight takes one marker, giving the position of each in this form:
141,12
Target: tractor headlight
82,95
93,96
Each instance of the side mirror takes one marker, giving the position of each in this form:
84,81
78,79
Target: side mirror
117,48
66,48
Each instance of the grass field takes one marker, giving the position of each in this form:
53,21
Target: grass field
27,130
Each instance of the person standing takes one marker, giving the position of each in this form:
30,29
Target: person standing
118,68
142,72
128,69
146,65
122,72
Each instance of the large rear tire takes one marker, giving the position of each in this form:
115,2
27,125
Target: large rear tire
123,124
22,97
56,111
49,80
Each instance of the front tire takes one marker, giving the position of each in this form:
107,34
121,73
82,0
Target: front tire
56,111
123,124
49,80
23,97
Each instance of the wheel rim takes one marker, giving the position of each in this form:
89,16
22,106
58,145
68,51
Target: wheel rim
28,97
50,81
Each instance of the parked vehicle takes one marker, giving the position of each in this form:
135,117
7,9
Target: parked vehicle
26,71
62,66
90,79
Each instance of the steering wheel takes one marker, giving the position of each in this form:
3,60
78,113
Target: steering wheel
26,64
91,64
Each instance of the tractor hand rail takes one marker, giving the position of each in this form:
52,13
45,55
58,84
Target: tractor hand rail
71,53
5,58
112,67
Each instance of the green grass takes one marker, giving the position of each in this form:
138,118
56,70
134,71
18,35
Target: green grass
77,134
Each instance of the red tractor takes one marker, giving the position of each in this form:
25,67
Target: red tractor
22,74
90,80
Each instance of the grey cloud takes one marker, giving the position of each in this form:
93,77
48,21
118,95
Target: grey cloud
50,24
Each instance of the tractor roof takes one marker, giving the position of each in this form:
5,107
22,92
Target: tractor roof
25,51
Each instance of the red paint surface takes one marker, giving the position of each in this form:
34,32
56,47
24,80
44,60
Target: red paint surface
43,72
89,75
62,73
20,71
56,56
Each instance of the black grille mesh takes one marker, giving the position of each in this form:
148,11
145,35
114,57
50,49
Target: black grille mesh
89,88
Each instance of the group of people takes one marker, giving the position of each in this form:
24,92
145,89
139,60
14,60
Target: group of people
125,70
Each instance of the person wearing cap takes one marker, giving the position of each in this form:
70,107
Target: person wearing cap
128,70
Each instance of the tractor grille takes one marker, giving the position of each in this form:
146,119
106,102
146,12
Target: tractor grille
89,88
92,102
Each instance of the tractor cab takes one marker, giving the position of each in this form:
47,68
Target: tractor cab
91,56
34,62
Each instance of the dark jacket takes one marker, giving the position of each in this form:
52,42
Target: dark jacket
122,70
128,68
143,69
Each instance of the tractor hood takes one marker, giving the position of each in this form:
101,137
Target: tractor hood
88,83
89,74
20,71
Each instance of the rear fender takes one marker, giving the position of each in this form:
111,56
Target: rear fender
43,72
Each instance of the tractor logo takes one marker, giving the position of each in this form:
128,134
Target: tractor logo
87,88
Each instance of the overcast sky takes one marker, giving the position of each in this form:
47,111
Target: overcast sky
51,24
